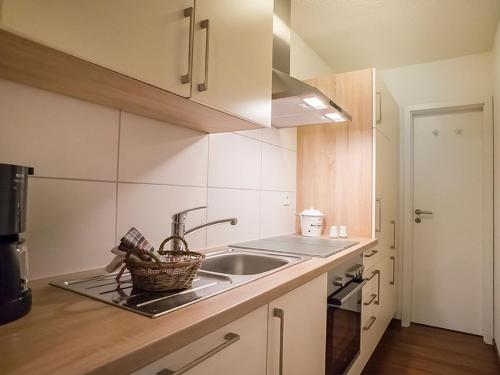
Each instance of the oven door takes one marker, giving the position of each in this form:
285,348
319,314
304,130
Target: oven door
343,327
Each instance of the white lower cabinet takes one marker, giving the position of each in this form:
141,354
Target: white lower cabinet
378,309
289,333
297,331
242,345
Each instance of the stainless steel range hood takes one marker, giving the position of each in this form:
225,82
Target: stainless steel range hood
296,103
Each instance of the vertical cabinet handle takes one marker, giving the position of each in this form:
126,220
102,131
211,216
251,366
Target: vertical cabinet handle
378,220
189,13
393,246
393,270
280,314
205,24
230,338
369,325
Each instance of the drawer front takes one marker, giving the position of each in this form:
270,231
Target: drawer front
238,348
373,256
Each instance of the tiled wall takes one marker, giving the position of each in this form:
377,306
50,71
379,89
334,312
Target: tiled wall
99,171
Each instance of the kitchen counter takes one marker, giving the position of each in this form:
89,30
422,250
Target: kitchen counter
66,333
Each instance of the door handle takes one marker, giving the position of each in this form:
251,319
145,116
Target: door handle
230,338
189,12
205,24
280,314
420,212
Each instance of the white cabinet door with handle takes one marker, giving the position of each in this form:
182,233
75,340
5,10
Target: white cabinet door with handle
233,57
237,348
297,331
148,40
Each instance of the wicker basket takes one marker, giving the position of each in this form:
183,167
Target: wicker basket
170,271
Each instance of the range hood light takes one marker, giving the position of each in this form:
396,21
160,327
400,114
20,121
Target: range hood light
335,117
315,102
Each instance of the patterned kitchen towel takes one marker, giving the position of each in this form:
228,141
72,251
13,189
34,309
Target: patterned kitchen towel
134,239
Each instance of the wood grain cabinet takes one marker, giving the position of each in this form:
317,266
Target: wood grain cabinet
297,331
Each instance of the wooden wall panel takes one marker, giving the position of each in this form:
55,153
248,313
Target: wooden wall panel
334,162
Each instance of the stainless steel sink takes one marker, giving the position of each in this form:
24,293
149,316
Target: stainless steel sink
240,263
220,271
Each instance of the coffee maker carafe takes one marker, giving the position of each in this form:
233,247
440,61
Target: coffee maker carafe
15,295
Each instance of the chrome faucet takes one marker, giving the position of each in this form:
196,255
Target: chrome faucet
179,226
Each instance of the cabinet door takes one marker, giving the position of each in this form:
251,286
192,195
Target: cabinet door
297,325
388,288
233,57
244,356
147,40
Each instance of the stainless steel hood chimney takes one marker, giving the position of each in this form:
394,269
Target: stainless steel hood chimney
295,103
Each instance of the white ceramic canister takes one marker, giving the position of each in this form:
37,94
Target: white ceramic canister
311,222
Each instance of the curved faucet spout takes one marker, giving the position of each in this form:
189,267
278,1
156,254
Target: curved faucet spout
232,221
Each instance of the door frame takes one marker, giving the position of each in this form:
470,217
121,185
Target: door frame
406,203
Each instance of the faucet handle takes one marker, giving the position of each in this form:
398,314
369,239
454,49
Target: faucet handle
180,217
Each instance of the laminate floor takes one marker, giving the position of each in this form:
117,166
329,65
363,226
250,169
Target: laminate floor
420,349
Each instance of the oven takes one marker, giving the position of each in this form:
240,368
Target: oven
344,321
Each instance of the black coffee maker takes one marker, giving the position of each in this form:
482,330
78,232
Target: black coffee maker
15,296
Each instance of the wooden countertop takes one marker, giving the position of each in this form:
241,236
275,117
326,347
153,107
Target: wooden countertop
66,333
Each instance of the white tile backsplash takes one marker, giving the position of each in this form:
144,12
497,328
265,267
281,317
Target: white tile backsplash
278,168
149,208
234,161
155,152
227,203
277,215
71,225
57,135
104,171
286,138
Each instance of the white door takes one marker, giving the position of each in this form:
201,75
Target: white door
447,250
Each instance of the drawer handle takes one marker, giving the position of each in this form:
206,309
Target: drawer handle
372,298
376,273
230,338
371,254
205,24
189,12
370,323
280,314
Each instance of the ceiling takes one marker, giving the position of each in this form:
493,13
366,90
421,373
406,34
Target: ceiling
356,34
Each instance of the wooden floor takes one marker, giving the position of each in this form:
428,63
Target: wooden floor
420,349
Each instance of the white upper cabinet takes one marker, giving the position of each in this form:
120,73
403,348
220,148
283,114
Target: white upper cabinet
233,57
218,53
147,40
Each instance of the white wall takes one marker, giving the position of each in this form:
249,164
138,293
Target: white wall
99,171
496,81
441,81
305,63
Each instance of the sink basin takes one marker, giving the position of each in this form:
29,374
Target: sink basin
242,263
